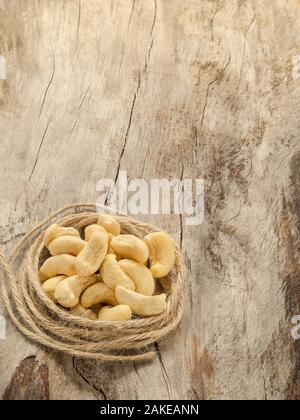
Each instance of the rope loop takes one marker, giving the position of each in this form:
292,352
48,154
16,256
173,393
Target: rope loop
44,322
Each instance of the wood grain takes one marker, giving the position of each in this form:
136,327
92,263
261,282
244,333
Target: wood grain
161,88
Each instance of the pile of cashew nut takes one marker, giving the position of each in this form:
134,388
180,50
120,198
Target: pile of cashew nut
107,276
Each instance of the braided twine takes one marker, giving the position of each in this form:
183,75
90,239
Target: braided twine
41,320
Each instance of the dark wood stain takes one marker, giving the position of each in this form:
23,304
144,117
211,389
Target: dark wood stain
201,369
30,381
290,229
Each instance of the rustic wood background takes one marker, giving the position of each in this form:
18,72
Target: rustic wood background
164,88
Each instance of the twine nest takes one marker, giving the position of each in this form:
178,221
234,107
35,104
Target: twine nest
41,320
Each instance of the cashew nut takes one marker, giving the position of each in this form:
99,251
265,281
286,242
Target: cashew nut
98,293
141,305
66,245
86,313
112,274
161,253
131,247
90,230
141,276
59,264
50,285
117,313
68,291
110,224
91,257
54,231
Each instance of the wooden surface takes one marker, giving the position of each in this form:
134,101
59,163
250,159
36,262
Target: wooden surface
191,88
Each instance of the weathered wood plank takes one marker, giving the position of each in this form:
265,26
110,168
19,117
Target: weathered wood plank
164,88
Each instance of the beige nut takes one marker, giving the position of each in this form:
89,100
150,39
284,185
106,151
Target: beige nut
50,285
66,245
118,258
116,313
91,257
55,231
141,305
68,291
85,313
131,247
110,224
112,274
161,253
141,276
98,293
90,230
59,264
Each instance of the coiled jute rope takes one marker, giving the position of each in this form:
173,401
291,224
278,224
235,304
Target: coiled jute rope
44,322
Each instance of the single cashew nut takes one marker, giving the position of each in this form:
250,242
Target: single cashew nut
110,224
131,247
98,293
91,257
116,313
161,253
141,305
54,231
50,285
113,275
59,264
141,276
90,230
68,291
86,313
66,245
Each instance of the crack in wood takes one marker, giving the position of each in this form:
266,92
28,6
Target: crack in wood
47,90
164,371
39,150
72,130
131,15
128,129
136,95
88,87
208,90
39,117
152,37
77,32
78,24
92,386
125,38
